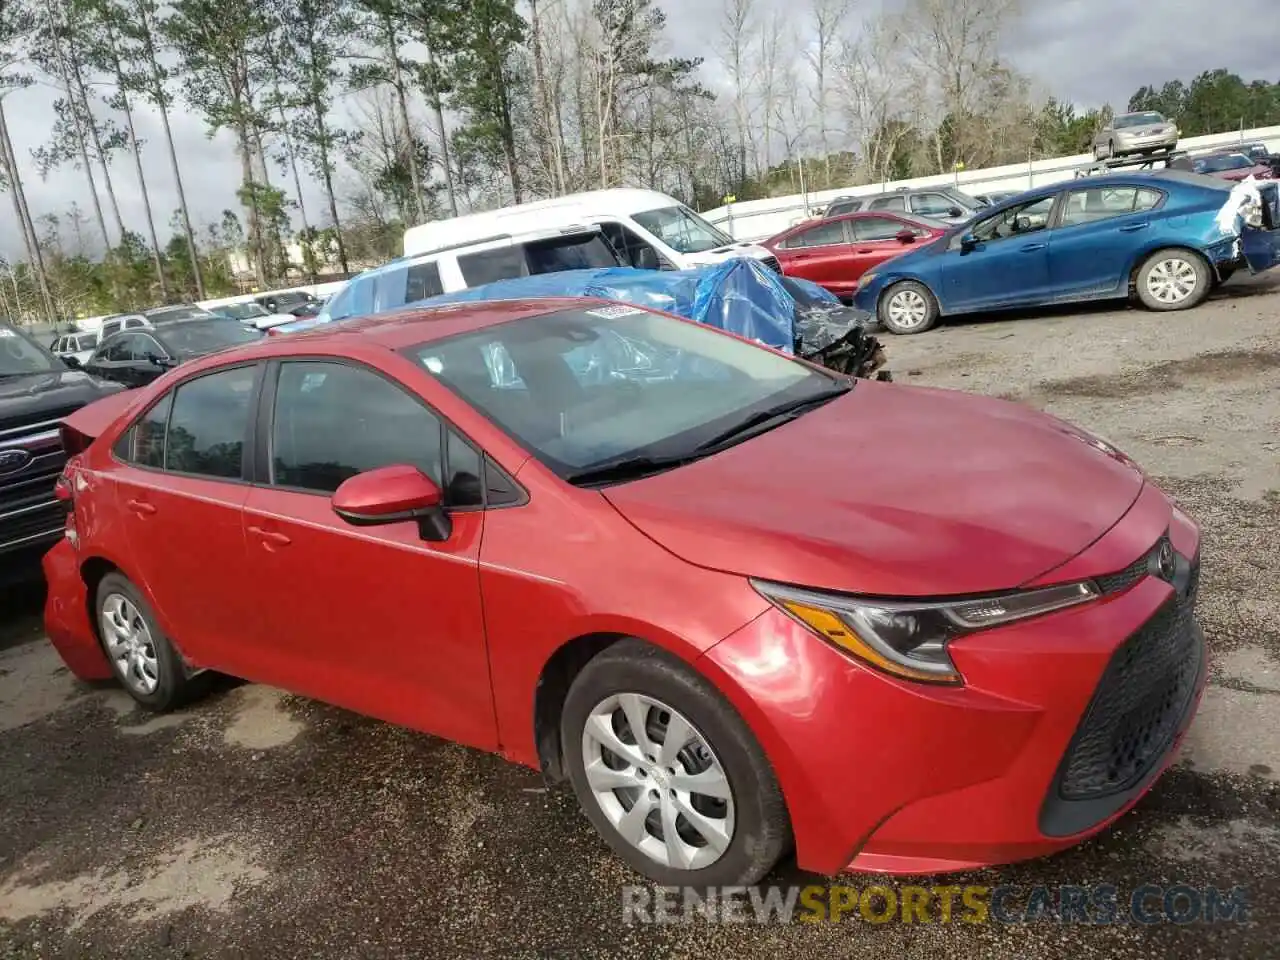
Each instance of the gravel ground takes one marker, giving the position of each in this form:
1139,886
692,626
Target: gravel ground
256,824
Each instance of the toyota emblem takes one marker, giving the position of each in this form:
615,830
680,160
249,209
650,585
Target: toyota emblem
1165,561
11,461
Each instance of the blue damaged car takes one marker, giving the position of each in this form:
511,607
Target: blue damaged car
1167,237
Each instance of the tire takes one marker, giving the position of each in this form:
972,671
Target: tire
1111,150
1173,279
748,824
141,656
915,304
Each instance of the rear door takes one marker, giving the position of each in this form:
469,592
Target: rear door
374,619
821,253
180,474
1098,233
875,240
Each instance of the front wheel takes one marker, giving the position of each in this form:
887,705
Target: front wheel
668,773
907,307
1173,280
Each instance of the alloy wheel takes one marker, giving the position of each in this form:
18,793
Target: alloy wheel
1172,280
657,781
907,309
129,644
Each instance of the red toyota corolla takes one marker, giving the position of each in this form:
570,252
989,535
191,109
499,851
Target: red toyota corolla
835,251
738,602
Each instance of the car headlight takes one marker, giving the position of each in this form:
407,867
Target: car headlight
865,280
909,638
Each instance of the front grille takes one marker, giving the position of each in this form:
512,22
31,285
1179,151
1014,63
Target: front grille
1141,699
1126,578
27,505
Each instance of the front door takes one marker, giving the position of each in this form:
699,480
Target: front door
180,487
1008,266
374,619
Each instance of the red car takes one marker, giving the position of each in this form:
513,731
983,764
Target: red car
835,252
1231,166
740,603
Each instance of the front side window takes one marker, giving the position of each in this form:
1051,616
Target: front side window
889,203
933,204
869,229
1015,221
584,386
682,230
208,424
333,421
634,249
573,252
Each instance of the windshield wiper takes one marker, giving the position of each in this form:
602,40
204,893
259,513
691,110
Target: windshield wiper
627,468
782,413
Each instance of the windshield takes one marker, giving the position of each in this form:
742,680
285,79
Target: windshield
168,314
681,229
584,386
198,337
1231,161
242,311
20,355
1138,119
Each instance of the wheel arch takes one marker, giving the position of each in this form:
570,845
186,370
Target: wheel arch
1150,249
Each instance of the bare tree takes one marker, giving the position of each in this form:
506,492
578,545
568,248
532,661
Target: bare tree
828,20
736,33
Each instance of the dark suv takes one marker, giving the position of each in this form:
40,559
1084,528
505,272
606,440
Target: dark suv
36,391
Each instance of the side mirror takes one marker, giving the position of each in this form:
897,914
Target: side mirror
1021,224
906,236
158,361
968,241
955,212
393,494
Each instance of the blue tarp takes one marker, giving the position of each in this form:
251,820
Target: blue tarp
740,295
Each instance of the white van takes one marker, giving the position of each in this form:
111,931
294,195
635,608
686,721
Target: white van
470,263
648,229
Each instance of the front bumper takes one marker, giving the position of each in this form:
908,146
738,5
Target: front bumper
890,776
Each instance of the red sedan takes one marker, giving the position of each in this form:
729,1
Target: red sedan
741,604
835,252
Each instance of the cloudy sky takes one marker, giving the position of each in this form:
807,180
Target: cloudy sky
1088,52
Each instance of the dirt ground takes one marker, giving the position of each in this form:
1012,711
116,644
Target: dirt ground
256,824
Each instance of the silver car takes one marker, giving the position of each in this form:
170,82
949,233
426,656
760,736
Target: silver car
1128,133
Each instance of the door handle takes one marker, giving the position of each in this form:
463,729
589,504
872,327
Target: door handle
141,507
270,537
1032,247
865,250
1134,227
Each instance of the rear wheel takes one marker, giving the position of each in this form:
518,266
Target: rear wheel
668,773
1173,280
907,307
141,656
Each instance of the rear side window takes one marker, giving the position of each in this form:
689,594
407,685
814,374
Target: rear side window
208,424
824,234
489,266
890,203
877,228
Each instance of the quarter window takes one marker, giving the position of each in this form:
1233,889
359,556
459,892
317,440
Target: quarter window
144,443
208,424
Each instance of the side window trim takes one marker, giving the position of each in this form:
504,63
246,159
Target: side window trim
264,423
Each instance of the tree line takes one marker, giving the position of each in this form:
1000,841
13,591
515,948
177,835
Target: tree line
394,112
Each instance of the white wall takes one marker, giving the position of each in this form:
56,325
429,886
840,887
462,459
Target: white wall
758,219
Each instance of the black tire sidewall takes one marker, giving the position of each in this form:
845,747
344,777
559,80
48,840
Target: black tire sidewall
762,831
173,680
882,307
1204,280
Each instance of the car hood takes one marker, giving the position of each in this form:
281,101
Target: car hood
892,491
48,396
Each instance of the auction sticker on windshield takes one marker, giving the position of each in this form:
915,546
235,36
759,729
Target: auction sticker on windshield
612,313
